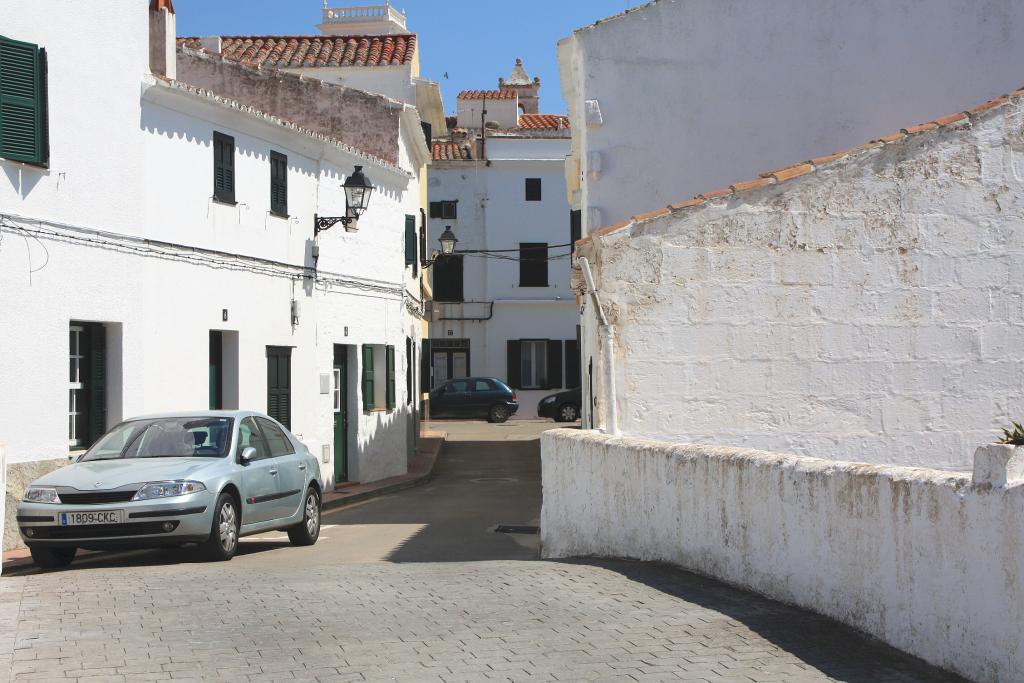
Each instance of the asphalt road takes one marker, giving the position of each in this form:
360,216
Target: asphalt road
418,586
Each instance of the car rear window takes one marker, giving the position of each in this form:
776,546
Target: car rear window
482,385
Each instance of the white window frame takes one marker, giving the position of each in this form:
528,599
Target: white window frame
537,349
75,388
337,390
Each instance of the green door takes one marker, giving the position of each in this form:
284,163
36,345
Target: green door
340,413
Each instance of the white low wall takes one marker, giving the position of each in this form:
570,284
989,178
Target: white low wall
922,559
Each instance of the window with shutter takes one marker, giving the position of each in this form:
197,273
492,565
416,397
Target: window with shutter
409,364
423,235
23,105
368,387
411,258
515,367
533,189
223,168
279,384
446,209
448,278
390,397
279,184
533,264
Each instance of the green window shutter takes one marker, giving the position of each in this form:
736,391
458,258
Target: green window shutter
410,243
23,107
368,403
278,184
515,364
96,385
554,374
223,168
391,377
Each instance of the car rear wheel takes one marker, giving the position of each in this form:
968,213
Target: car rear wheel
223,542
568,413
308,530
52,558
499,413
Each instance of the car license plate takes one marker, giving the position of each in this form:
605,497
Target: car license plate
91,517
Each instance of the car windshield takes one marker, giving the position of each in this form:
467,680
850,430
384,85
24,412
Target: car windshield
170,437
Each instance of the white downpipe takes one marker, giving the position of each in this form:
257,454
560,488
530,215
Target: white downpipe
608,347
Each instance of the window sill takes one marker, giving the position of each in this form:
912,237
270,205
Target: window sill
27,165
283,216
223,202
374,410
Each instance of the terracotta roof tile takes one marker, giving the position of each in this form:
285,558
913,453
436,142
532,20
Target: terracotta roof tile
796,170
293,52
611,228
550,121
650,214
751,184
489,94
451,151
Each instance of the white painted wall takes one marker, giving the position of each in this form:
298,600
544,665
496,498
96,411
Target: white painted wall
870,310
697,94
395,82
922,559
71,249
493,214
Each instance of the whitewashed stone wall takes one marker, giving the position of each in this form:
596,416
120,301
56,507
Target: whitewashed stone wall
922,559
871,310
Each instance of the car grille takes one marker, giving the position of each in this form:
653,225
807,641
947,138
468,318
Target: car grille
99,530
95,497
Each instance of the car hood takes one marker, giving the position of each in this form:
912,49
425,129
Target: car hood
99,475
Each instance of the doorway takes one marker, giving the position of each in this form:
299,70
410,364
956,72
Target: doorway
449,359
340,395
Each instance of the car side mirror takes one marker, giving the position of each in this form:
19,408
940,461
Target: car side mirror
248,455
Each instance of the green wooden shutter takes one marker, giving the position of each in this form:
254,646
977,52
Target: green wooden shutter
515,364
368,388
409,363
23,110
224,168
278,184
390,352
279,384
410,244
554,370
96,384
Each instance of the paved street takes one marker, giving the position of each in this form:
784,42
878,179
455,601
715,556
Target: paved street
417,586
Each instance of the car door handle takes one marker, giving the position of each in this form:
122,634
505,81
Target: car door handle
271,472
302,467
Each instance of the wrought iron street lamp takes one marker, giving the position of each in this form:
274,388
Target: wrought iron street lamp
448,241
358,189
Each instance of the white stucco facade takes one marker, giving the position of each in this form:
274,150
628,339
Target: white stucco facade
868,308
122,229
494,215
679,97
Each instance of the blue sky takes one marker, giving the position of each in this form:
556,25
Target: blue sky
474,42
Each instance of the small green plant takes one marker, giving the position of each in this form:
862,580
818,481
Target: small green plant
1014,438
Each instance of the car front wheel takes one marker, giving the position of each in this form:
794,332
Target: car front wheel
308,530
568,413
223,542
52,558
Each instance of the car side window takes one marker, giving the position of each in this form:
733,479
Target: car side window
482,385
249,435
278,442
458,386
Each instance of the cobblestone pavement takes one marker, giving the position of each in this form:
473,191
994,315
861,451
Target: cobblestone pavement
326,614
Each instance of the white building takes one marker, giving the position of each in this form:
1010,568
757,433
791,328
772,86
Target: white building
676,97
157,247
505,310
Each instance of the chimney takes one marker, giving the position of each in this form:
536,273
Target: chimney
162,39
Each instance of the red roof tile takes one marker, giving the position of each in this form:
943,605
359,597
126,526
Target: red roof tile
489,94
796,170
451,151
293,52
157,5
537,121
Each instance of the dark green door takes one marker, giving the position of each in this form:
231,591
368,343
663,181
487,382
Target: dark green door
216,370
340,413
279,384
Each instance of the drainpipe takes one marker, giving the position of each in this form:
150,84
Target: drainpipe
607,333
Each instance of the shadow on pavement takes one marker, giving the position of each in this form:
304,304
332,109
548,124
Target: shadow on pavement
836,650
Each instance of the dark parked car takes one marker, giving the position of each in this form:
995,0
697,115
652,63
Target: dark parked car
474,397
563,406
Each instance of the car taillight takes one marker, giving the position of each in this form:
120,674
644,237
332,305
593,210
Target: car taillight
514,397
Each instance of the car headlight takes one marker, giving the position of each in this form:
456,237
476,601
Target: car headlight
41,494
168,489
549,399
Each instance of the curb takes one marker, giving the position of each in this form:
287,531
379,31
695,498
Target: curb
417,480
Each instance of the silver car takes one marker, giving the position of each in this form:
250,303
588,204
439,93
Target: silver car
208,477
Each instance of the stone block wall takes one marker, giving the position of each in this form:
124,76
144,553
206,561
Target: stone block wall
926,560
870,310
